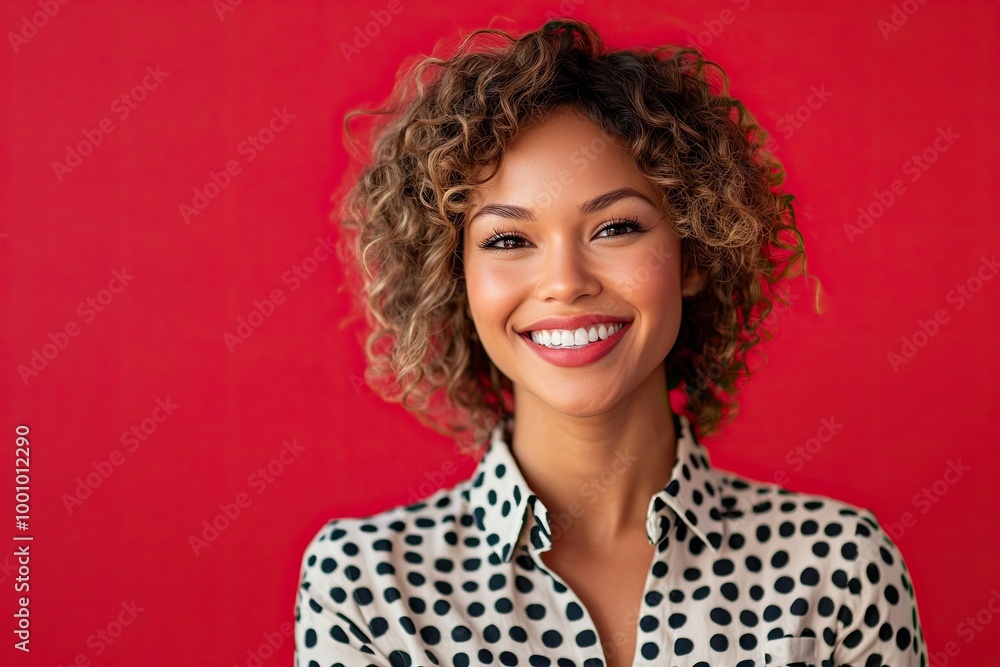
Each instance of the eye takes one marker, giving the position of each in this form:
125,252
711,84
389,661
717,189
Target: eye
625,223
507,238
500,237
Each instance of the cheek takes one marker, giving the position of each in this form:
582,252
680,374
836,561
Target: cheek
651,275
493,291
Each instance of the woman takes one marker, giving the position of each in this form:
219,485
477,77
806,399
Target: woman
564,241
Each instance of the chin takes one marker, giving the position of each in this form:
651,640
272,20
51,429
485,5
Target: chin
580,409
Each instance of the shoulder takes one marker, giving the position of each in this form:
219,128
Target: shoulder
819,522
355,572
839,551
771,503
352,551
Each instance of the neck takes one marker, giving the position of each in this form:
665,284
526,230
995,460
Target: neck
596,474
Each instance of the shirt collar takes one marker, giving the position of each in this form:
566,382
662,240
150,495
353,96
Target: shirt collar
501,499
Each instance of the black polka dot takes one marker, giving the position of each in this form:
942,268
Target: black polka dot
718,642
720,616
551,638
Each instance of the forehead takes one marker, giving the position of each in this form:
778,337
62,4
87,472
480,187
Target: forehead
563,158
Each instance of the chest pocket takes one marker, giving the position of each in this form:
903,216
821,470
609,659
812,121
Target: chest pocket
791,652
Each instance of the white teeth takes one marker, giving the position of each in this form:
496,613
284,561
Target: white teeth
577,338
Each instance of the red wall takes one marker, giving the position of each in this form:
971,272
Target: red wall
885,107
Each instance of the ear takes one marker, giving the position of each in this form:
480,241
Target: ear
694,281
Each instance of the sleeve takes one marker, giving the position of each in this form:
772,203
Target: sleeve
880,624
330,629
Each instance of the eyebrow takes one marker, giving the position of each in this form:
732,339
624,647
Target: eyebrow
596,204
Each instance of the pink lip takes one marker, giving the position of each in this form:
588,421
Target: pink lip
574,322
569,358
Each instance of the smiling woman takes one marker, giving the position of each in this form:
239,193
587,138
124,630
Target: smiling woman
577,236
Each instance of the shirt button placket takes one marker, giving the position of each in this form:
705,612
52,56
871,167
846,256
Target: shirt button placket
651,628
586,656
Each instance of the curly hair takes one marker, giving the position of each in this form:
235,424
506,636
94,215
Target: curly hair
449,120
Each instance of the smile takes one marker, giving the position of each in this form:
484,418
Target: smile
577,347
582,337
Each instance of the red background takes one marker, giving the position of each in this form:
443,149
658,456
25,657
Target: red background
297,377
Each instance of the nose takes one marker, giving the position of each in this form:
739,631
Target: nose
566,273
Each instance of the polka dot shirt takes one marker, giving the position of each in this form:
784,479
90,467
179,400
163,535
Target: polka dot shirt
745,574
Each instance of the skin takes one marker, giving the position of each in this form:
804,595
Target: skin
594,442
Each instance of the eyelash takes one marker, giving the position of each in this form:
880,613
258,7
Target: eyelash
501,235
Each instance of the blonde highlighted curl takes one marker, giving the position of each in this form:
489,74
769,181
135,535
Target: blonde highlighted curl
447,120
